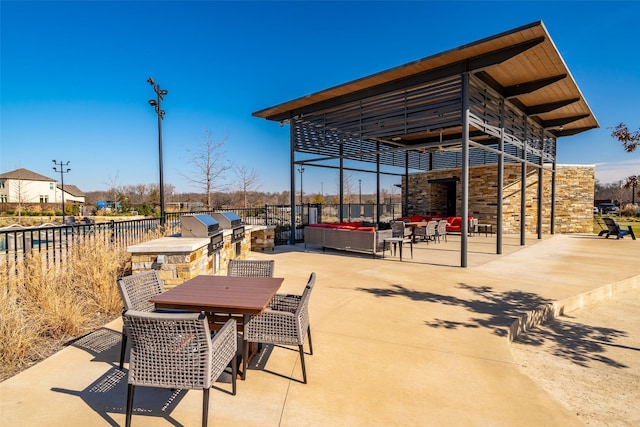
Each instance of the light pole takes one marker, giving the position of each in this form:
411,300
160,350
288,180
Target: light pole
360,191
301,170
160,93
63,169
322,189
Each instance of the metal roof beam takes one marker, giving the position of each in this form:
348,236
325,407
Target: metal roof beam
569,132
547,124
528,87
535,110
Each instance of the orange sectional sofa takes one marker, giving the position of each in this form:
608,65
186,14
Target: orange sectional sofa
347,236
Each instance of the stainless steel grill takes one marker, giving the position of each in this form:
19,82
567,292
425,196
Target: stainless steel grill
231,221
203,225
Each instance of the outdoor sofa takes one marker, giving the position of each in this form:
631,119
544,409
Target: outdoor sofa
346,236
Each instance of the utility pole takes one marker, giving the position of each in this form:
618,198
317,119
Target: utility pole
63,169
160,112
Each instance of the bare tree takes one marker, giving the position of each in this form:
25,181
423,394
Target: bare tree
631,182
209,166
21,194
347,181
247,180
112,184
630,140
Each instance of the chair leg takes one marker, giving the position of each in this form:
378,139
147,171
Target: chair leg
205,407
309,335
130,391
234,374
123,349
245,356
304,369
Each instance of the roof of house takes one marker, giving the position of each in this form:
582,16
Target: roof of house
72,189
25,175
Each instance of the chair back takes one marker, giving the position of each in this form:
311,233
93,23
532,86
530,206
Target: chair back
398,229
302,312
442,227
137,289
175,350
431,228
612,226
250,268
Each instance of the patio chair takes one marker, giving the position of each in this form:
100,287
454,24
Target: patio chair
419,232
136,290
286,322
615,230
250,268
399,236
176,351
603,228
441,230
431,230
473,226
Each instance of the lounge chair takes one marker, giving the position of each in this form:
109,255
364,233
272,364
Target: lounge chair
615,230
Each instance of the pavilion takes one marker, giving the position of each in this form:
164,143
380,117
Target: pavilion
505,98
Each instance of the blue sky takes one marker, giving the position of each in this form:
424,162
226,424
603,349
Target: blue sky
73,77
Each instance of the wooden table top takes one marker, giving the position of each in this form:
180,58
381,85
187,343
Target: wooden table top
221,294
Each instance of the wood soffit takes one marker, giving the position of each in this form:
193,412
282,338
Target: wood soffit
522,64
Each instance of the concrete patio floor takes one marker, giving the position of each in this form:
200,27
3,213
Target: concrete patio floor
418,342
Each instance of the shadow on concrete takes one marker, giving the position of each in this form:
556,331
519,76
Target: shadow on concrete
501,307
572,341
578,343
108,393
101,344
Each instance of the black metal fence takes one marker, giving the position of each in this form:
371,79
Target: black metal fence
54,241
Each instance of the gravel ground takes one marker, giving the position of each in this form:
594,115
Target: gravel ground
589,360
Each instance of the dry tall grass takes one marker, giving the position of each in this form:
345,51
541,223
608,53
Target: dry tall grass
41,308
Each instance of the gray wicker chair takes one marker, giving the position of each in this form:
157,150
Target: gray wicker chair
441,230
431,230
286,322
250,268
176,351
136,290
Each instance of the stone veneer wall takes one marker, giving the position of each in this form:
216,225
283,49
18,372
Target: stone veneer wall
574,196
182,265
263,238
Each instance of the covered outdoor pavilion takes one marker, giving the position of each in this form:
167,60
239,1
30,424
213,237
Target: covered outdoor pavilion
505,98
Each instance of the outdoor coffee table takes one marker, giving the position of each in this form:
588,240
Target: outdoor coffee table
488,229
244,296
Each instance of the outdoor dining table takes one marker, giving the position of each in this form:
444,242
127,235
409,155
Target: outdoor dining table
215,295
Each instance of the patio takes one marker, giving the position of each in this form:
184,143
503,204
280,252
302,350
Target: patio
417,342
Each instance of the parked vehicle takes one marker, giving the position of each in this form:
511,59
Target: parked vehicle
606,208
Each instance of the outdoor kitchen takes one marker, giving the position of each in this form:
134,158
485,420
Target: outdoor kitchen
205,245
